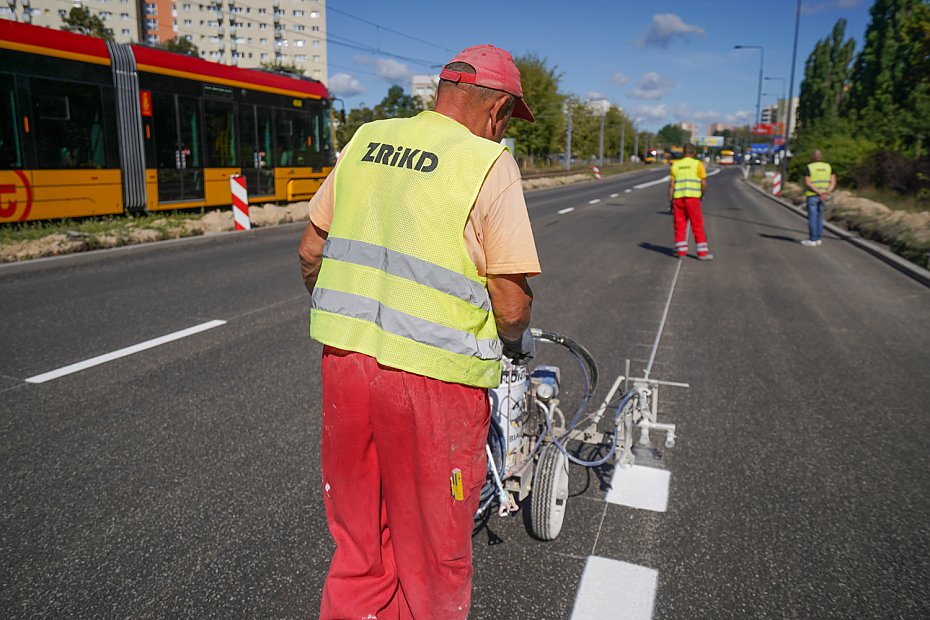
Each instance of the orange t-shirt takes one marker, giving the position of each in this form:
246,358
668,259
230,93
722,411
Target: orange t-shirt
498,236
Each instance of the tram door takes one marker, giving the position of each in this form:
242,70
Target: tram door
256,124
178,149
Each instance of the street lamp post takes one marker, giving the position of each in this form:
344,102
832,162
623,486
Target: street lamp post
794,57
761,64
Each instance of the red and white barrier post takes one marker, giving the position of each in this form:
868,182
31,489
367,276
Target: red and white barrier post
240,202
596,171
776,184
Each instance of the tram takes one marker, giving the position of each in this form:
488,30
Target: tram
91,127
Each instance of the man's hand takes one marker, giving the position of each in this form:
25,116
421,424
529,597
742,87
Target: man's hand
520,351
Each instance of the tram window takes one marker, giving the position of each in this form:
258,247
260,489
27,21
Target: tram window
69,124
219,119
265,143
189,117
165,132
11,152
293,138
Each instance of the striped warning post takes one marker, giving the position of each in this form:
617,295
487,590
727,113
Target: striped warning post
776,184
596,171
240,201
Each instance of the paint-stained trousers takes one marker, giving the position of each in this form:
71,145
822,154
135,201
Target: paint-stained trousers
685,210
390,441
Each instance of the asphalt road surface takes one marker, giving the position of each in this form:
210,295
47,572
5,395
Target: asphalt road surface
182,479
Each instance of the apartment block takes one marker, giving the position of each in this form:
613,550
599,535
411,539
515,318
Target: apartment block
244,33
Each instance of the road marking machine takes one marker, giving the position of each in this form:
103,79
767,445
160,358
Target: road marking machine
530,442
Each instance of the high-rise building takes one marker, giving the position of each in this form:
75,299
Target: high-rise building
423,87
246,33
692,130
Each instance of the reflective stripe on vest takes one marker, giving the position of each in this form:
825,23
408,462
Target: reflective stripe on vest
819,174
408,267
687,181
405,325
396,281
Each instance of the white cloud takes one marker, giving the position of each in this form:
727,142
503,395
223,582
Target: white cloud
619,78
344,85
664,29
392,71
828,5
740,117
651,86
363,60
652,113
594,95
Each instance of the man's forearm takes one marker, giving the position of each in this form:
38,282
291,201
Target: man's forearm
311,254
310,270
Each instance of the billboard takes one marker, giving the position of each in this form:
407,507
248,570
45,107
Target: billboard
760,149
769,129
712,141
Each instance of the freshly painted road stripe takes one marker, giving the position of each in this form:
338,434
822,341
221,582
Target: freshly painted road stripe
651,183
640,487
713,172
594,202
616,590
142,346
614,195
627,191
568,210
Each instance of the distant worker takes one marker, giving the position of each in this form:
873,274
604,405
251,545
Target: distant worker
416,258
685,190
819,182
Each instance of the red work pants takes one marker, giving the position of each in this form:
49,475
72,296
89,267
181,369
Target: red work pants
686,209
390,441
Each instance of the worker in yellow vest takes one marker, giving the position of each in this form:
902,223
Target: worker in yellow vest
819,183
417,256
686,188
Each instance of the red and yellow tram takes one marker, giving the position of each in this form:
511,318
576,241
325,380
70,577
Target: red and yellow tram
90,127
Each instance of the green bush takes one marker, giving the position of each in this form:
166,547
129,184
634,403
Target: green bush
844,152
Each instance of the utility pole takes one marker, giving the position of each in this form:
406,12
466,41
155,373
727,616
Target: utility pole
600,157
794,57
622,140
568,140
635,143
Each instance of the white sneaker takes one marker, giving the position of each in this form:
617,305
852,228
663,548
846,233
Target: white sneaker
808,242
819,242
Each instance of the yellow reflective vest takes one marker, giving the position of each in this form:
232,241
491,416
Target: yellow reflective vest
687,180
819,173
396,281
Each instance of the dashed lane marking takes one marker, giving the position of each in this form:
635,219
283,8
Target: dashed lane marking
614,195
640,487
651,183
594,202
108,357
627,191
568,210
615,589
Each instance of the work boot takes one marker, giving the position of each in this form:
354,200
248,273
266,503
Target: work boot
705,257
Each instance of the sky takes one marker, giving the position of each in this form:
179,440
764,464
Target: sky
660,61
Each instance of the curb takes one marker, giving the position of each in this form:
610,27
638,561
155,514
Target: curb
904,266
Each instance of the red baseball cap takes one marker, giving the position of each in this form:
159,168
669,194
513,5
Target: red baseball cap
494,68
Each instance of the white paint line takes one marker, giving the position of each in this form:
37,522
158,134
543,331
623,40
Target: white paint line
594,202
668,302
713,172
651,183
614,195
640,487
568,210
616,590
108,357
627,191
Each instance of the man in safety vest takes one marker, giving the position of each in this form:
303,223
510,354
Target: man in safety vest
416,257
819,183
688,182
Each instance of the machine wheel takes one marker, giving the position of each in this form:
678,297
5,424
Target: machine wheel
550,493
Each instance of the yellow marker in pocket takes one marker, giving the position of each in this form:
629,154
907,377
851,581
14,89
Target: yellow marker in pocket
456,480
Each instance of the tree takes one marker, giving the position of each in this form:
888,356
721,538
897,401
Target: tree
398,104
672,135
541,93
180,45
82,21
826,80
889,83
282,67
